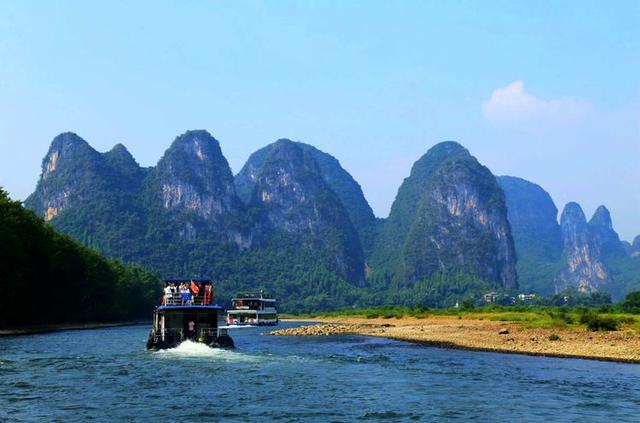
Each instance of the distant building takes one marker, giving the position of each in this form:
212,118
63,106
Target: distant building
490,297
525,298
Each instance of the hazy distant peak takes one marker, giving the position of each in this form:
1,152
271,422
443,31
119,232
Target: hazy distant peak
601,218
119,148
573,211
67,141
436,155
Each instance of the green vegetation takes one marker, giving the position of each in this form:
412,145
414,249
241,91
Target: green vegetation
627,271
631,303
595,322
49,278
593,318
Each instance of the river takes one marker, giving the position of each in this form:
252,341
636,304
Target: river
107,375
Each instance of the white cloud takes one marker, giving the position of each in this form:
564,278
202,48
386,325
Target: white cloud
513,106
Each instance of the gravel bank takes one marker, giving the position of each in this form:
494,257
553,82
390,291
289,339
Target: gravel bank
485,335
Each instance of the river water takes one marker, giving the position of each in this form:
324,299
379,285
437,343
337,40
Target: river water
107,375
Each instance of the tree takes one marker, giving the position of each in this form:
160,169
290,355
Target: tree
631,303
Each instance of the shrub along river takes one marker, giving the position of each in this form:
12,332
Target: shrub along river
106,375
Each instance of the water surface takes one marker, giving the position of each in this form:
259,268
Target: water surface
106,375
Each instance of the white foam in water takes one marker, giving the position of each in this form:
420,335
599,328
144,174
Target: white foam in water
189,349
194,348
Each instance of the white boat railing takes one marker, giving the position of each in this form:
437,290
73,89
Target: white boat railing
181,334
178,299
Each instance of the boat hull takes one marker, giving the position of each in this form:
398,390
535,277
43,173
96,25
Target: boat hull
155,342
251,324
173,325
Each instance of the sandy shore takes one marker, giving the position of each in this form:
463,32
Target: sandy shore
485,335
63,326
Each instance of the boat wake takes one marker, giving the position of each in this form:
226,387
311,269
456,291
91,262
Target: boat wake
190,349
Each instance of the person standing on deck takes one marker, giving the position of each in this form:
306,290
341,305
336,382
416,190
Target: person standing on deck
207,294
186,295
194,289
191,332
168,295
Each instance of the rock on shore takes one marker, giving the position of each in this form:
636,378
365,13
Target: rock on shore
326,329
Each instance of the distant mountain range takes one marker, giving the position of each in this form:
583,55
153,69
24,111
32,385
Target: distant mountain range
571,254
293,221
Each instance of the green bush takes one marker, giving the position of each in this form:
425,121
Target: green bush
561,316
596,322
632,302
467,304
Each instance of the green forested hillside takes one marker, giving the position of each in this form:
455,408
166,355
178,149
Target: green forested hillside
626,271
534,224
295,223
292,200
449,217
577,255
300,234
338,179
47,278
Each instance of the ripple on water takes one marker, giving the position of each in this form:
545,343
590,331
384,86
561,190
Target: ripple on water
389,415
358,359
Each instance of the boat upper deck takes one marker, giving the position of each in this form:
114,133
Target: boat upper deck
191,307
181,293
253,303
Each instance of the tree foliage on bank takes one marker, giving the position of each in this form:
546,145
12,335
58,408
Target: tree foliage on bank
47,278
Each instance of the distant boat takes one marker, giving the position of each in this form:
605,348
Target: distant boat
258,310
187,312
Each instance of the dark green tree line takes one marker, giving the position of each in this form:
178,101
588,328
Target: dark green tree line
47,278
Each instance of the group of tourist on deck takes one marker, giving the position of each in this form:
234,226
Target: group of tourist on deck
187,293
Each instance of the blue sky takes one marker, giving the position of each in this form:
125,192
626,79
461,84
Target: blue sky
546,90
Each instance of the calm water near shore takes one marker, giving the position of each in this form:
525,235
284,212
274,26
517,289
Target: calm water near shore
106,375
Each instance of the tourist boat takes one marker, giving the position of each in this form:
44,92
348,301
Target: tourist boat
188,315
259,310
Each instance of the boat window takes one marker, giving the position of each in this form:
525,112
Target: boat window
251,304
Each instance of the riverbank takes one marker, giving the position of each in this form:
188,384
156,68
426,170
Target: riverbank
32,330
484,335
